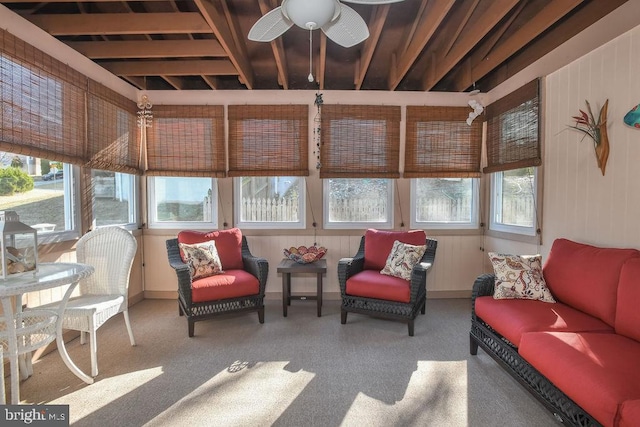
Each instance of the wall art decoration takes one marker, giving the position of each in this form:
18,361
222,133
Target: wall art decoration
596,130
632,118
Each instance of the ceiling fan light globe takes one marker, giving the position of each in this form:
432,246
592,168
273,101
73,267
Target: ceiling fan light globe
309,14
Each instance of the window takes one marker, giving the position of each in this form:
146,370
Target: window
447,203
269,202
513,152
182,202
513,201
358,203
115,196
42,193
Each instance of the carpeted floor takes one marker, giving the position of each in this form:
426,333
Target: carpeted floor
295,371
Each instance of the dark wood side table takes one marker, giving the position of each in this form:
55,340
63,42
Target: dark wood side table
287,267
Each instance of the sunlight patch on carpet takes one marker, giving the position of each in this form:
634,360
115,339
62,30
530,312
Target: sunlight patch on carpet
436,395
254,395
110,390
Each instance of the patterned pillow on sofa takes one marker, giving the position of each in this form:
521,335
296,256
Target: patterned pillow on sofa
519,277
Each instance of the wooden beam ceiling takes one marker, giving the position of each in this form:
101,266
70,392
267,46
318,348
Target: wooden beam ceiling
237,55
482,65
217,67
424,27
121,23
417,45
472,34
148,49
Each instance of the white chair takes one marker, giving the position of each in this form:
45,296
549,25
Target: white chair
110,250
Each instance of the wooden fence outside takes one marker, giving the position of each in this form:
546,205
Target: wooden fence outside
515,210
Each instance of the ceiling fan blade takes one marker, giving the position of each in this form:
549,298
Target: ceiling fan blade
372,1
270,26
349,29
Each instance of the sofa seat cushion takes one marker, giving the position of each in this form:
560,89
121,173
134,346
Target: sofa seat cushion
230,284
378,245
372,284
586,277
630,413
228,244
599,372
512,318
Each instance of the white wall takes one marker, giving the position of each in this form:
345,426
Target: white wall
579,202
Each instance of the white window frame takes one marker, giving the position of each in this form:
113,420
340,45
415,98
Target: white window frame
193,225
269,225
71,208
474,223
496,207
134,208
388,224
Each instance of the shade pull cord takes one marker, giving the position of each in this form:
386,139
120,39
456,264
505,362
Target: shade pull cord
313,217
399,203
224,216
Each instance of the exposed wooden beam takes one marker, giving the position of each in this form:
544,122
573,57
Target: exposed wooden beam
483,49
121,23
494,12
149,49
379,17
461,25
138,82
551,39
408,36
218,24
211,81
176,82
533,27
429,21
217,67
463,71
322,61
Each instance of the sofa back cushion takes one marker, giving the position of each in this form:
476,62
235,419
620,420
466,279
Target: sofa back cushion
228,244
586,277
627,310
378,245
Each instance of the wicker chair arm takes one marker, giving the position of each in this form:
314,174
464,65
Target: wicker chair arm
348,267
181,269
483,286
419,271
259,267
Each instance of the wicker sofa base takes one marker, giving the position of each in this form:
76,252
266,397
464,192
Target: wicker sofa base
564,409
384,309
209,309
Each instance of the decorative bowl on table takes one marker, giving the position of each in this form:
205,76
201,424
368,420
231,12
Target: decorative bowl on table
305,255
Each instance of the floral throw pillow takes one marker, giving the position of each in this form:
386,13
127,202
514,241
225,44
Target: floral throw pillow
519,277
402,258
202,258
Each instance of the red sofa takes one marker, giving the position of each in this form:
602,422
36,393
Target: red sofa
579,356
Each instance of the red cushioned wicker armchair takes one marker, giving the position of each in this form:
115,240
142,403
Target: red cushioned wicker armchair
238,288
366,290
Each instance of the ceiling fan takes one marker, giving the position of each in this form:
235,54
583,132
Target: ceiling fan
339,22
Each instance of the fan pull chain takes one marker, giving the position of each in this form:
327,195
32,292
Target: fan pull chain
310,77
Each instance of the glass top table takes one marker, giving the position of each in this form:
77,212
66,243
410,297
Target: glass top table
32,328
